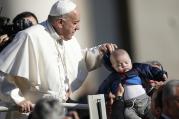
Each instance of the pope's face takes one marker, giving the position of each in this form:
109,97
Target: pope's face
70,24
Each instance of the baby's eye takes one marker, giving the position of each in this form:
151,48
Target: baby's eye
126,63
119,65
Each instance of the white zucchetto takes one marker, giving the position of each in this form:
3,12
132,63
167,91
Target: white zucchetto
62,7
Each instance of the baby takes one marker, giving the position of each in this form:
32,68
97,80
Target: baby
130,75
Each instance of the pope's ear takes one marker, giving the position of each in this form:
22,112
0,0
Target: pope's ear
58,22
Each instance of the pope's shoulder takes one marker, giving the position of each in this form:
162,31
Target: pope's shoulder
35,29
30,33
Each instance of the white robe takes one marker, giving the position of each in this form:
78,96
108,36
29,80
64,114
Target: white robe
37,55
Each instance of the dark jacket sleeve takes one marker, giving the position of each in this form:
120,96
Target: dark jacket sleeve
106,85
104,88
147,71
118,109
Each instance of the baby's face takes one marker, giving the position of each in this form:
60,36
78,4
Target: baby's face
121,63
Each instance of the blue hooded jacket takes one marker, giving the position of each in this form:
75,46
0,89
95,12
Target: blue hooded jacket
141,71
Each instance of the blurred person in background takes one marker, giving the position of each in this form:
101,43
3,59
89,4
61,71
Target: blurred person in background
20,22
50,108
152,85
170,100
156,102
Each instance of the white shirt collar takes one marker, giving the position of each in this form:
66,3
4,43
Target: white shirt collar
52,31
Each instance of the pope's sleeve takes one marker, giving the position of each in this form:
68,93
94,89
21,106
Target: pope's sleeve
93,58
15,57
14,60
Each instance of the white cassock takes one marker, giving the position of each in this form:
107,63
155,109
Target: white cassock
48,63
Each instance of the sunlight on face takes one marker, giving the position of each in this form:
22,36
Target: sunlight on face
70,25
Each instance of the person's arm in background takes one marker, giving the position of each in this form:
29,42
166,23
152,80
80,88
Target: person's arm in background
118,104
3,39
150,72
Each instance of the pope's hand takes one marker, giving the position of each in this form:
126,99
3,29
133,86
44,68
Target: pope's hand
107,47
25,106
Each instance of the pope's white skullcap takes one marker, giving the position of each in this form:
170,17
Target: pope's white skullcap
62,7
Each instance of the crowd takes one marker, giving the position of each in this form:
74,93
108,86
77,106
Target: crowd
43,64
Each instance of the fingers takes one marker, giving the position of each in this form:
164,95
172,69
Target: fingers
107,47
111,95
110,47
103,48
73,114
114,46
4,38
121,87
25,106
158,84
